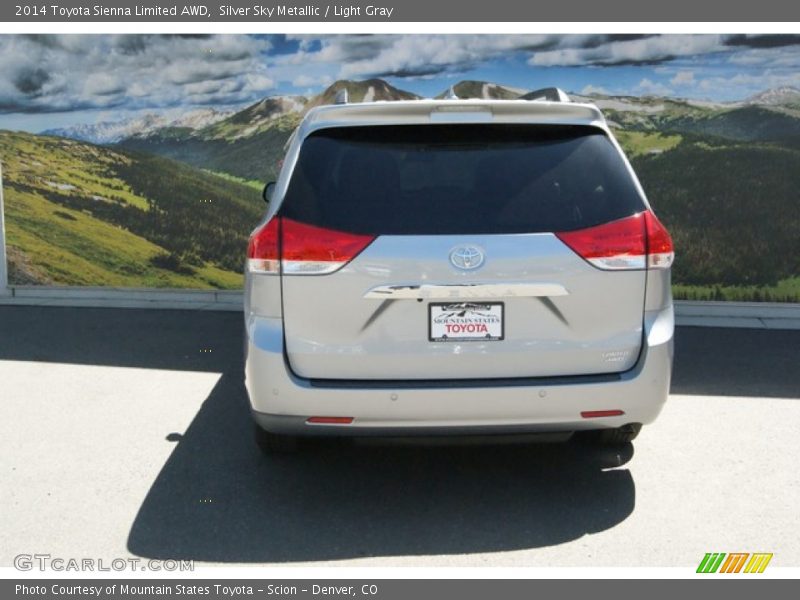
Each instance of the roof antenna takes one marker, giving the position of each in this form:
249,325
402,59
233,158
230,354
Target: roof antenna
342,97
451,94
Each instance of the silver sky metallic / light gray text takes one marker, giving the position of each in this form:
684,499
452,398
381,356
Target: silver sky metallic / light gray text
286,10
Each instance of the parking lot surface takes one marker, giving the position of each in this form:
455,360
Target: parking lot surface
127,433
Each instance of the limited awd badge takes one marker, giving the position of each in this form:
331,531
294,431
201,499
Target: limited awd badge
466,257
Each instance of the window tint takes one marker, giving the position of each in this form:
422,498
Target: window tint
459,179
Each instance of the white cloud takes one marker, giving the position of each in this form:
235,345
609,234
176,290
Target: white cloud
103,84
786,57
683,78
415,55
305,80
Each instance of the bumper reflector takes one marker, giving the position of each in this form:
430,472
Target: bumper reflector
593,414
330,420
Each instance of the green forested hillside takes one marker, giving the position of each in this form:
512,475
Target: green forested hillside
734,213
252,157
78,214
749,123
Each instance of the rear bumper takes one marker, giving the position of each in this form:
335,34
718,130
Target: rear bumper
282,402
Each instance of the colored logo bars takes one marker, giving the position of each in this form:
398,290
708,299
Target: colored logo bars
719,562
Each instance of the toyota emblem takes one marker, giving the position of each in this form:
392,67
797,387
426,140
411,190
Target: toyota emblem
467,257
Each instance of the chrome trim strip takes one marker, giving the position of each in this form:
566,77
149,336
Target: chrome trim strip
468,290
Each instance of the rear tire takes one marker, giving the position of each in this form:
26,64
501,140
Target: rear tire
272,443
617,436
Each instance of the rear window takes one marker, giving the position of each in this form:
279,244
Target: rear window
459,179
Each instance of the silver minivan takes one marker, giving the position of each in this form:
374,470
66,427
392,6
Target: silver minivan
457,267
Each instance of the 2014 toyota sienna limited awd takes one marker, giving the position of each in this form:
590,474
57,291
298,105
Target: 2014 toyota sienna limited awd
457,267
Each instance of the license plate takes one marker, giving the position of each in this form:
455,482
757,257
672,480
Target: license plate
465,321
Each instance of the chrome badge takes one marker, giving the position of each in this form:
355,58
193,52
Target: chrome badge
466,257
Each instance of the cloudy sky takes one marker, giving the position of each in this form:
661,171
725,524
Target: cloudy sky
59,80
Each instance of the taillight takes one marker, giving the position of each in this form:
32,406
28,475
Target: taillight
660,252
634,242
263,249
310,250
301,249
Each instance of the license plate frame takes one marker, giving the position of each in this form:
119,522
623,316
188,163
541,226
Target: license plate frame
481,322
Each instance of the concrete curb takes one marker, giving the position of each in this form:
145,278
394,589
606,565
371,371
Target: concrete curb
750,315
90,297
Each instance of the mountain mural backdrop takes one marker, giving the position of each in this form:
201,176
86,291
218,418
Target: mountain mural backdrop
168,200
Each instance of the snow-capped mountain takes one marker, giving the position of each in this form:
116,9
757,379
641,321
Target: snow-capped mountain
781,96
110,132
484,90
201,117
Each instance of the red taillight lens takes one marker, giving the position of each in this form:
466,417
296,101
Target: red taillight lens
301,249
660,251
620,244
263,249
634,242
310,250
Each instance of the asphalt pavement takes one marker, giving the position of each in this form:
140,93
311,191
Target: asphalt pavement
127,433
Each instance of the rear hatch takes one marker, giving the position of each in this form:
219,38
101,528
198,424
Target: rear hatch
431,252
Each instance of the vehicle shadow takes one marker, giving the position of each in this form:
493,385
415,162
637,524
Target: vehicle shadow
218,499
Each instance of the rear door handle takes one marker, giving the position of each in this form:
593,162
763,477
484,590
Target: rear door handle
468,290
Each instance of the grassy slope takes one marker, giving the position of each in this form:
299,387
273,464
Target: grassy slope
785,290
640,143
251,183
54,187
